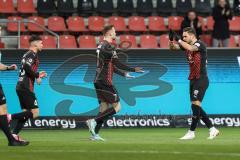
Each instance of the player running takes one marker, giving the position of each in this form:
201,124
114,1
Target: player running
25,87
4,123
107,64
196,53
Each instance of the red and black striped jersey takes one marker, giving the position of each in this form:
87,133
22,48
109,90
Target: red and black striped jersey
197,61
28,71
108,63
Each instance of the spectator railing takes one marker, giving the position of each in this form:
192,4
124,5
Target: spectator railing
19,30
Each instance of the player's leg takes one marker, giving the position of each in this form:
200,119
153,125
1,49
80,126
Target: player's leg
195,113
30,109
102,108
4,123
96,137
213,132
106,94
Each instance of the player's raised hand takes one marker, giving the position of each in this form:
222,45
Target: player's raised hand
177,37
12,67
139,70
42,74
39,80
171,35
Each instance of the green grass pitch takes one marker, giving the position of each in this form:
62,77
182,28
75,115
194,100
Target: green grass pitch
124,144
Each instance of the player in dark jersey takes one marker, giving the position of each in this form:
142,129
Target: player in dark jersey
25,87
107,64
196,53
4,124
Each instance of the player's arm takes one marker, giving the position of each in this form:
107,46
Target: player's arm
185,45
28,67
124,67
119,72
28,63
4,67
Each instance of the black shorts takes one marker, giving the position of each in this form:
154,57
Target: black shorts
2,96
198,88
106,93
27,99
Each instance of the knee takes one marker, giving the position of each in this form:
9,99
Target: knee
117,107
103,107
35,113
3,109
198,103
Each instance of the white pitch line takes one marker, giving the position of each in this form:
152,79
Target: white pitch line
129,151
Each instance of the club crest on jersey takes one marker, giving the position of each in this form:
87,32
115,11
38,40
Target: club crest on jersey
195,93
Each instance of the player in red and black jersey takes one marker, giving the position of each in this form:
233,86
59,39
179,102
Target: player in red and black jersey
25,87
107,64
4,122
196,53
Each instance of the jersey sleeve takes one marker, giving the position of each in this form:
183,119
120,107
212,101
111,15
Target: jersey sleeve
28,64
119,72
201,47
120,65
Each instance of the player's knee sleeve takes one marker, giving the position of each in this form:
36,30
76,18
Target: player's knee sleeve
196,110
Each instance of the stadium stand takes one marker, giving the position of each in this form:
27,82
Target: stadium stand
85,19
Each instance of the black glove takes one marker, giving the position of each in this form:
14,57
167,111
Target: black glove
177,37
171,35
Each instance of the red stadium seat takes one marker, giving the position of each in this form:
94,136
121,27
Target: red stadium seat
164,40
148,41
210,23
95,23
32,27
24,41
25,6
76,24
234,41
124,39
174,22
87,41
207,39
49,41
67,41
56,24
118,22
2,45
137,24
13,26
6,6
156,23
235,24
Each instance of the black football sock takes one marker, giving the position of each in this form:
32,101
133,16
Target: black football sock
22,118
99,125
5,128
195,117
205,118
104,115
19,126
22,115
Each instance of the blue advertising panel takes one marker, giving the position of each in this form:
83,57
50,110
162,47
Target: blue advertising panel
162,89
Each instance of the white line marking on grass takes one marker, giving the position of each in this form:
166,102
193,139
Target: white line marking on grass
129,151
